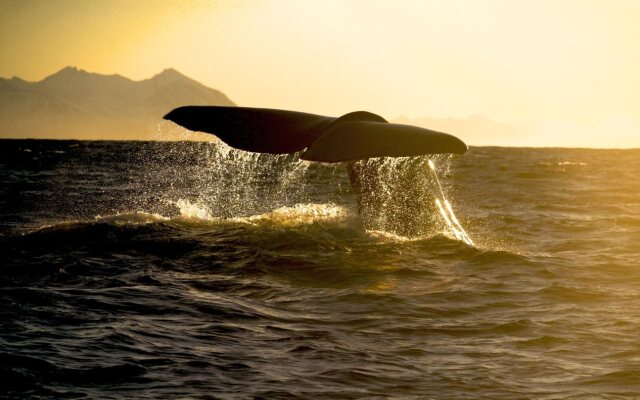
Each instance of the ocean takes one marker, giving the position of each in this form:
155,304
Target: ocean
191,270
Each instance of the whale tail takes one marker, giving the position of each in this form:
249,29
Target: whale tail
352,137
355,136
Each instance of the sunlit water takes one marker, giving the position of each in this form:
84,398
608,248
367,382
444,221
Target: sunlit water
189,270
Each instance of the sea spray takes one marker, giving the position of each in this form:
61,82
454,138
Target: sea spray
446,210
210,180
395,196
223,181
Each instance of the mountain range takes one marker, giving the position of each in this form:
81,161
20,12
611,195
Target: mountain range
73,103
76,104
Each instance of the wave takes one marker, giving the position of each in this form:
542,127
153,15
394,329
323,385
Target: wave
561,163
320,217
314,241
312,244
305,234
15,366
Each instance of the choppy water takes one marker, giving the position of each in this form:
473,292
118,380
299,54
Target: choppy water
186,270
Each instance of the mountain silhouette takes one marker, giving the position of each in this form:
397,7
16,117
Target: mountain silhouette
73,103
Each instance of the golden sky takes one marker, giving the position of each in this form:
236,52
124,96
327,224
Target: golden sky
568,65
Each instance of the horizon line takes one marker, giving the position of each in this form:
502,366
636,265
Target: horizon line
215,139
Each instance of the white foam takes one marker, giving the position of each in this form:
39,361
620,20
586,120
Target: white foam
193,211
302,214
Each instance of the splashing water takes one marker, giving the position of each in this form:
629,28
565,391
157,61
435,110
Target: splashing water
447,211
224,183
392,196
404,196
189,210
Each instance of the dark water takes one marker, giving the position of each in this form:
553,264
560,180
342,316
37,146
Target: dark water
185,270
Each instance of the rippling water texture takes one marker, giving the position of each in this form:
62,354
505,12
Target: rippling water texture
186,270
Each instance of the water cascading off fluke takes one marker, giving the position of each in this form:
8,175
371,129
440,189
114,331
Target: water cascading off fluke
447,211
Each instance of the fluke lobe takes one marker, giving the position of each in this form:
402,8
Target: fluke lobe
354,136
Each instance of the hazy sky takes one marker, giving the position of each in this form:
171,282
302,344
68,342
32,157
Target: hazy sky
569,64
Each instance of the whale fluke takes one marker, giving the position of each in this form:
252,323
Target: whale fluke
357,140
354,136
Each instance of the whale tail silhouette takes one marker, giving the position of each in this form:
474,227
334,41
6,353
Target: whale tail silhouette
355,136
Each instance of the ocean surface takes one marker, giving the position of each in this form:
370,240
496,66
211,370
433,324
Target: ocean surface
189,270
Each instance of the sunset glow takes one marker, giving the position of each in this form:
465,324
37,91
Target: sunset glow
567,71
